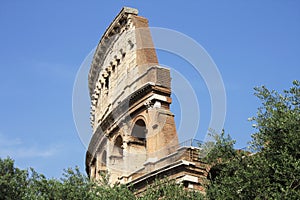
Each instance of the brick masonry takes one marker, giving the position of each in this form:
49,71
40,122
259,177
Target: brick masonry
134,131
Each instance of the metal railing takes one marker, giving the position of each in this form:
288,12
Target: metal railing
191,143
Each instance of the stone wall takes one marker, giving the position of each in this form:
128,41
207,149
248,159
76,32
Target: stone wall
130,97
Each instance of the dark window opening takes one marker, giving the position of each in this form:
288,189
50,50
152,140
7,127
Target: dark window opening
94,168
139,130
103,159
106,82
118,147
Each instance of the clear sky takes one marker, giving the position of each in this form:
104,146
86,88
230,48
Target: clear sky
43,44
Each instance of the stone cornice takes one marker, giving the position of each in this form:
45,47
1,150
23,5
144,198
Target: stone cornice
121,110
123,106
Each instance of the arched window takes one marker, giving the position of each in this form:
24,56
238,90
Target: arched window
138,143
93,168
118,146
139,130
103,161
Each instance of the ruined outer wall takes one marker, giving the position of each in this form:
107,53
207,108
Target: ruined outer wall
128,88
120,63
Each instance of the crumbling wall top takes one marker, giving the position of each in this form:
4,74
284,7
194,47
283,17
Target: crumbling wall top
120,22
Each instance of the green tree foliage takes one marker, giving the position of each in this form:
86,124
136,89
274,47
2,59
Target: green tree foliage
273,172
219,151
169,190
30,185
13,181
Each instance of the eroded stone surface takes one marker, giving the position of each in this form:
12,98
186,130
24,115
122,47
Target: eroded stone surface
130,98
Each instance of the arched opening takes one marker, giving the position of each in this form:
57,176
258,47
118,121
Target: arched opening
118,147
138,146
93,168
103,162
139,130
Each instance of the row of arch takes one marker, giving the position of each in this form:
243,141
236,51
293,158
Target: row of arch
139,132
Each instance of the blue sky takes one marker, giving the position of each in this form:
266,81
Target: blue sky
43,44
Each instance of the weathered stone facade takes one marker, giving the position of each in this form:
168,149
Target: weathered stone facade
134,132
